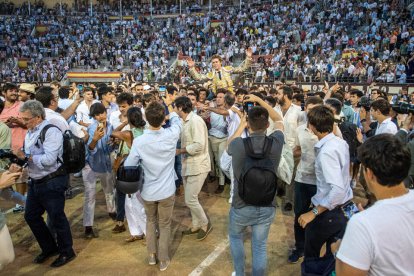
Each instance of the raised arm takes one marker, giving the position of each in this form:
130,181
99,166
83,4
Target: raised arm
274,116
125,136
193,72
246,63
68,112
219,111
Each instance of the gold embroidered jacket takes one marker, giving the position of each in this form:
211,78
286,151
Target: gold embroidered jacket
222,78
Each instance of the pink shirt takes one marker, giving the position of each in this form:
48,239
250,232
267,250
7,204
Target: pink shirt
18,133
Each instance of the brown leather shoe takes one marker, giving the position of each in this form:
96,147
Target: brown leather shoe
119,229
135,238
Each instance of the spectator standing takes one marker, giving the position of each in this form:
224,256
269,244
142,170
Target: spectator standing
242,215
325,220
372,236
48,182
158,191
195,165
98,165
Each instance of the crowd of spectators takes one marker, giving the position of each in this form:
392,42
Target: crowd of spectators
345,41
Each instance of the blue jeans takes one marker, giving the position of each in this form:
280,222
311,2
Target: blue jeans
260,219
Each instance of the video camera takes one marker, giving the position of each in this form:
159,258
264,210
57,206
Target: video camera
8,154
365,103
403,108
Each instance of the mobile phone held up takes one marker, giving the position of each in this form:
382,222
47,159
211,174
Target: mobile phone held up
80,89
247,107
162,89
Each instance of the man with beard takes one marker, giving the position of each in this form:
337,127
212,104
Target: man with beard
11,117
292,118
26,92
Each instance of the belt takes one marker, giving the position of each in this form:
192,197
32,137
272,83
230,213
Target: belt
337,207
59,172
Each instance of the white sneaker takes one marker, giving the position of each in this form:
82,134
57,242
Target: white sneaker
353,183
78,174
233,273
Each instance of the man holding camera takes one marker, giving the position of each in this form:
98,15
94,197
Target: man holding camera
243,215
380,111
47,185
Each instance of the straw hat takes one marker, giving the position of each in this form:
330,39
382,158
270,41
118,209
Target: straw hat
27,87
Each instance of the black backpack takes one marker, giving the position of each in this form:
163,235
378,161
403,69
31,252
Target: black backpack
348,131
257,183
74,153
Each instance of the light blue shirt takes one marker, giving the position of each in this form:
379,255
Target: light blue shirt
99,158
44,156
112,107
218,126
156,149
332,172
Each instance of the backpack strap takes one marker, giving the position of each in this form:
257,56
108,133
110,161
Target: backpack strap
247,142
248,147
42,137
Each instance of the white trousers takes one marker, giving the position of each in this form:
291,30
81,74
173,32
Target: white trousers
135,214
6,248
227,168
89,181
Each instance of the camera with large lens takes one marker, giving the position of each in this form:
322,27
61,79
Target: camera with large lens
403,108
365,103
8,154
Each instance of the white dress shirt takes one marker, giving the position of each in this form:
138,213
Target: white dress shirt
56,119
306,140
291,120
332,172
82,113
114,119
387,126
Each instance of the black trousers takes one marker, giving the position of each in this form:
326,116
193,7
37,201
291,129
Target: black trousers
120,205
49,197
326,227
303,195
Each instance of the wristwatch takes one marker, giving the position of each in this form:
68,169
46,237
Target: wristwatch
315,211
